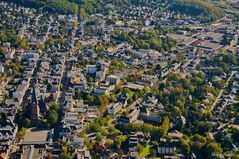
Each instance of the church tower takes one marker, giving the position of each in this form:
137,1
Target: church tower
43,106
35,112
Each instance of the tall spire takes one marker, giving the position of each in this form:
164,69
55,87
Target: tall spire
35,113
34,95
42,105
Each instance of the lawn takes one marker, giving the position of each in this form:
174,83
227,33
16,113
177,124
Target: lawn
145,151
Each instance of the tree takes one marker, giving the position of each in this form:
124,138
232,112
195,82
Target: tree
104,103
82,13
78,94
3,119
52,117
90,98
118,141
99,137
24,44
197,142
153,152
22,133
185,147
26,122
140,148
41,46
65,156
79,45
94,127
109,142
236,156
165,125
235,135
105,132
100,48
213,149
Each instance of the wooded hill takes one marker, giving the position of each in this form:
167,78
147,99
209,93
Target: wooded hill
201,10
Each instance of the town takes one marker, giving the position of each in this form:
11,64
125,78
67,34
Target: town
138,81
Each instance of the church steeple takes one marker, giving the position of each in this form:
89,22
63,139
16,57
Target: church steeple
34,95
42,105
35,113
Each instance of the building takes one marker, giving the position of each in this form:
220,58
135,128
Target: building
1,69
90,69
132,117
166,148
37,137
113,79
35,111
114,108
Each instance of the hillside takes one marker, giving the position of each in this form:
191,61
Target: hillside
80,7
61,6
201,10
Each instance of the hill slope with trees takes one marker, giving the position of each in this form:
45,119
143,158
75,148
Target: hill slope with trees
201,10
64,6
61,6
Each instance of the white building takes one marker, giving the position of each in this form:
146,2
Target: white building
90,69
114,108
1,69
113,79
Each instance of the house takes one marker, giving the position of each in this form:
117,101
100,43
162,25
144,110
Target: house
114,108
80,151
6,44
175,135
10,53
150,101
98,71
134,155
113,79
1,68
123,98
102,90
132,117
148,80
90,69
166,148
20,92
31,152
133,142
136,138
134,87
8,131
149,116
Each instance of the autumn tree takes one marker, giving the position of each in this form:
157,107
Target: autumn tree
104,103
165,125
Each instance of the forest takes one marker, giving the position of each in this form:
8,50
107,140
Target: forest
62,6
201,10
79,7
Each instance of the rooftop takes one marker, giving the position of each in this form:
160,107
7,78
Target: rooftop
36,136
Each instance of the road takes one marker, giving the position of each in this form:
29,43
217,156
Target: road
65,84
61,99
221,92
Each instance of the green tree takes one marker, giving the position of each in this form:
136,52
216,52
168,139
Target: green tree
140,148
52,117
65,156
99,137
213,149
104,103
90,98
153,152
118,141
22,133
165,125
